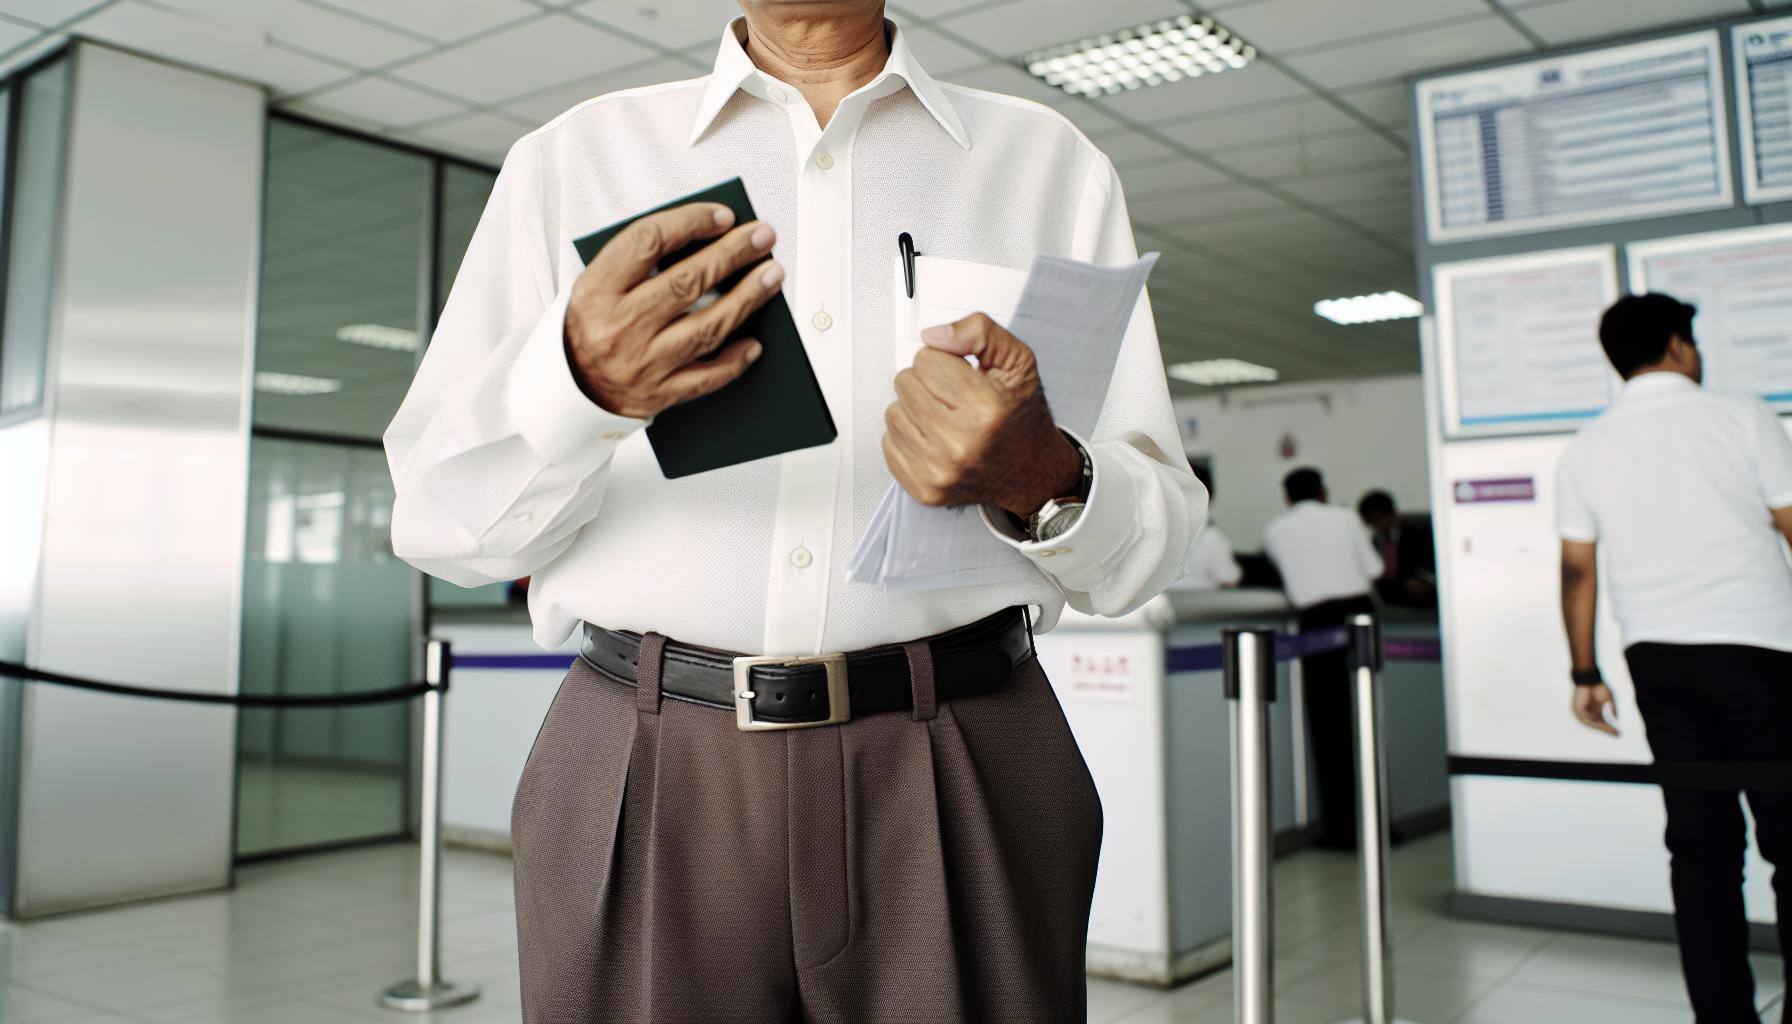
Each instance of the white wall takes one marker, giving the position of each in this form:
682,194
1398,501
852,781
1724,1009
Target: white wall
1362,434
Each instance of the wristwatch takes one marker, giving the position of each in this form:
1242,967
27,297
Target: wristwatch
1056,517
1586,677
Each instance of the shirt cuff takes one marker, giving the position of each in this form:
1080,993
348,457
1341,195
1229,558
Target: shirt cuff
551,413
1079,557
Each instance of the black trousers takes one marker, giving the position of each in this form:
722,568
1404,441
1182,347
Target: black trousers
1325,693
1706,703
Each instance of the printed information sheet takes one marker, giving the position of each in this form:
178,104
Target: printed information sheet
1763,52
1518,340
1627,132
1742,283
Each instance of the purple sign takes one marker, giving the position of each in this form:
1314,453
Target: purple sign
1473,492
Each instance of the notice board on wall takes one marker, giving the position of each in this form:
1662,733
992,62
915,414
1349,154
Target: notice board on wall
1741,280
1763,51
1621,133
1518,340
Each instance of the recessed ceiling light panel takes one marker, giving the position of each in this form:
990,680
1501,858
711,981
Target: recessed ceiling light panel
1155,53
391,339
1370,309
294,384
1216,372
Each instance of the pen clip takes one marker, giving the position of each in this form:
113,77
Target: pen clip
905,244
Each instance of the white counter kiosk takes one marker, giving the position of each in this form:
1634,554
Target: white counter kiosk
1156,741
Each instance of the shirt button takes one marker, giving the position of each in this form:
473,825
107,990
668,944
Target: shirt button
801,558
822,320
1063,551
824,160
1048,552
611,435
778,93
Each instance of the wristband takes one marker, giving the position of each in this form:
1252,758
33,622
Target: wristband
1586,677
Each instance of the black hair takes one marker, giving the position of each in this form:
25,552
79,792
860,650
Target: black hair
1375,503
1203,474
1304,484
1637,329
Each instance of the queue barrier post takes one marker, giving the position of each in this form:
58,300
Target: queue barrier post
1372,821
1248,661
428,990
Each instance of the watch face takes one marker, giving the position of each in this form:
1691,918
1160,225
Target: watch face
1059,521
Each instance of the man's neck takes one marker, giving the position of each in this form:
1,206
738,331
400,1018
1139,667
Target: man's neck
825,55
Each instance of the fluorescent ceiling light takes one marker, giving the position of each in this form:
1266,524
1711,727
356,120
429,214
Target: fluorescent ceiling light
296,384
1155,53
392,339
1369,309
1214,372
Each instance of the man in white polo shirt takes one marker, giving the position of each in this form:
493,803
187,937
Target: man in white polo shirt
1328,571
1690,494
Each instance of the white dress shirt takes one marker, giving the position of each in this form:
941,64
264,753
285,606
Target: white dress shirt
1675,484
1322,552
504,468
1211,564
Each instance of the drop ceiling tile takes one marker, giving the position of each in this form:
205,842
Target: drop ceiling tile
522,58
1384,102
1580,20
12,35
442,20
1284,27
550,103
1014,28
1125,149
1087,115
229,50
1258,83
49,13
481,136
1388,182
1173,175
927,8
673,24
1218,132
1009,81
323,32
940,54
1368,60
381,102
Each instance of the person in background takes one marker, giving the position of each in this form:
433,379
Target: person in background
1689,493
1408,555
1211,564
1328,571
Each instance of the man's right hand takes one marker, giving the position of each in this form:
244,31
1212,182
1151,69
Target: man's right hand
632,345
1591,705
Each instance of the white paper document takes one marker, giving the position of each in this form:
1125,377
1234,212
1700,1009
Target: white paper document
1074,316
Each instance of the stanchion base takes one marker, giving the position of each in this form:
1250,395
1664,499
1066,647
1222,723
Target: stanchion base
1365,1020
408,995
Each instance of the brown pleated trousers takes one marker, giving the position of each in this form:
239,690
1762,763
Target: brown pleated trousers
925,868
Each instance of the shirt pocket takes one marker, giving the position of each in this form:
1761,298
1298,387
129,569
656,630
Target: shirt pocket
948,290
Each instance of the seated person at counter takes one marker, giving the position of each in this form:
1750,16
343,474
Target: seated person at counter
1408,555
1211,564
1328,571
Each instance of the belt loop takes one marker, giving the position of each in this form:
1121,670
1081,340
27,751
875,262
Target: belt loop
920,679
647,672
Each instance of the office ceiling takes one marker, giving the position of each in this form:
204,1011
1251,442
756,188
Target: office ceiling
1266,189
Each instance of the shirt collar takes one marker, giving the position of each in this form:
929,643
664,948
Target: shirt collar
1657,382
734,71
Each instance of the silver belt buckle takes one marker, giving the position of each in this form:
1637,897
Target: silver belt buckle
839,700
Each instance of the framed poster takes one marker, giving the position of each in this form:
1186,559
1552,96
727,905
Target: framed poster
1741,280
1518,341
1616,134
1763,52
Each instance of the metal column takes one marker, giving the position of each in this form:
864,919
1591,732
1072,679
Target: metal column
1250,676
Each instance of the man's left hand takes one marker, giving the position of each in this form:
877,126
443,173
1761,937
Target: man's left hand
983,435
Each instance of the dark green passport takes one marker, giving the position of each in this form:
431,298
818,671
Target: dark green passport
773,408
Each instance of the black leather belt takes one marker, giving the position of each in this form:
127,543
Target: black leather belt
793,692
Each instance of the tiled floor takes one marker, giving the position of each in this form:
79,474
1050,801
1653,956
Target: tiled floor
311,941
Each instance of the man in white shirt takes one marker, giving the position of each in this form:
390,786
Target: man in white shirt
1211,563
915,839
1689,494
1328,571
